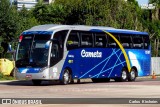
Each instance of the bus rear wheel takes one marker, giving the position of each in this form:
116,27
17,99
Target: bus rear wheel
132,75
124,76
66,79
36,82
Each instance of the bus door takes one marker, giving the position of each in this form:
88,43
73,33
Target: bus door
73,47
57,48
55,55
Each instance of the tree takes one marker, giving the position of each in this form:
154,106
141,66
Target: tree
157,2
47,14
115,13
26,20
154,27
8,24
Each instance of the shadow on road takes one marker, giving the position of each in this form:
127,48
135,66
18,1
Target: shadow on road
29,83
83,81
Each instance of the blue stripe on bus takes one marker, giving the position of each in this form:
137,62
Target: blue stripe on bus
29,70
120,31
37,32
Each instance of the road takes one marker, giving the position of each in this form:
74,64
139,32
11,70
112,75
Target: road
141,88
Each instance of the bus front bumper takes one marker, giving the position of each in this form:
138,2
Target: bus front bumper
32,76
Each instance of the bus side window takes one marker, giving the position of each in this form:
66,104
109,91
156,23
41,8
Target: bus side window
73,41
56,54
100,40
126,41
86,39
146,41
137,42
61,36
55,51
111,42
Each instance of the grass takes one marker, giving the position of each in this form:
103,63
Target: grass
4,77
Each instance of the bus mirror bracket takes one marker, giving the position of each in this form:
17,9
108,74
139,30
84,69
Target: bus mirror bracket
47,44
9,47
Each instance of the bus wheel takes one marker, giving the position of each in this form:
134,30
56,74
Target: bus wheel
66,77
124,76
36,82
132,75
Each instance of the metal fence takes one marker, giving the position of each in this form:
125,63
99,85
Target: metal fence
155,65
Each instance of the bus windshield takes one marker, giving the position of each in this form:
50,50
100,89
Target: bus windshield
32,51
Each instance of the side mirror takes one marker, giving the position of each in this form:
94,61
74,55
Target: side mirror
9,47
47,44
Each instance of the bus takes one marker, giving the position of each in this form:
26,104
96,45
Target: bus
73,52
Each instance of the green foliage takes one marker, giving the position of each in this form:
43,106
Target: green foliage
1,49
156,2
47,14
8,24
115,13
13,22
3,77
26,20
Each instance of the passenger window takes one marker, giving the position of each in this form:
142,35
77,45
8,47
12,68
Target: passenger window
73,41
111,42
61,36
100,40
56,54
137,42
126,41
86,39
55,51
146,41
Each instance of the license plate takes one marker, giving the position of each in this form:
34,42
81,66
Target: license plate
28,77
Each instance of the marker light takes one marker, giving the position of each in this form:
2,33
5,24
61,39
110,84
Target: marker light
20,38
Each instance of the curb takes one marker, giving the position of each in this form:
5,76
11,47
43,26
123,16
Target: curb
149,76
3,81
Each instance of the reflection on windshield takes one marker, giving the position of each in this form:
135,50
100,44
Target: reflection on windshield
32,51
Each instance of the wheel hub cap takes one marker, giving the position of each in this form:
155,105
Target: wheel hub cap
66,77
133,75
124,75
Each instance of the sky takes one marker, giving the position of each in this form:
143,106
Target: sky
142,1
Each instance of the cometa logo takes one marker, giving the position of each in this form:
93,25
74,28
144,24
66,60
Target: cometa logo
91,54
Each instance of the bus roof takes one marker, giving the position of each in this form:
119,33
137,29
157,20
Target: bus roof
52,27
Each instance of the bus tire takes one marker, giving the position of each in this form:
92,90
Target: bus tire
124,76
66,79
132,75
36,82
